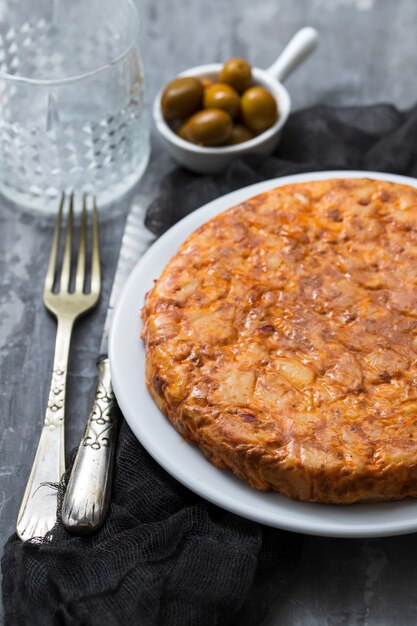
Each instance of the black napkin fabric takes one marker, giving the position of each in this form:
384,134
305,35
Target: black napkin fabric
165,556
377,138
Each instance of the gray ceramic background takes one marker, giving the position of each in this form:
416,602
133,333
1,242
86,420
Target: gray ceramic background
368,53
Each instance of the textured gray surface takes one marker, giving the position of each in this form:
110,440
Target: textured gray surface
367,53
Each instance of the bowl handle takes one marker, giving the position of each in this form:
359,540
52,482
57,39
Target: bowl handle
300,46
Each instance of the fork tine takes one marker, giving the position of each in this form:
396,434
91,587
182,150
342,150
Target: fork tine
95,258
50,274
66,262
80,276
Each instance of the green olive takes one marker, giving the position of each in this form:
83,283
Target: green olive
237,73
222,96
259,109
210,127
239,134
182,97
206,82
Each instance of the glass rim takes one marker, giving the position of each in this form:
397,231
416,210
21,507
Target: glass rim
72,79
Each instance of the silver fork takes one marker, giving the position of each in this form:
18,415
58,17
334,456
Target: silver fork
37,514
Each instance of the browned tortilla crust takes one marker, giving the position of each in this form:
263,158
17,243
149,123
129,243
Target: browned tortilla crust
282,340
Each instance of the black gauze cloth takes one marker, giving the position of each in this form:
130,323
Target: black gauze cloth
375,138
165,556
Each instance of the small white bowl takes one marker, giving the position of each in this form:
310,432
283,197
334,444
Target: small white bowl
211,160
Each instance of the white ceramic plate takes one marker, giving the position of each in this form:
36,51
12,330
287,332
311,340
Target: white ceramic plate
183,460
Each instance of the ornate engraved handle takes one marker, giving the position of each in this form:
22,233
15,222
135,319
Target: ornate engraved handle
88,492
37,514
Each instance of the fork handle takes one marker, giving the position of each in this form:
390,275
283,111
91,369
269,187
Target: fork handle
37,514
87,495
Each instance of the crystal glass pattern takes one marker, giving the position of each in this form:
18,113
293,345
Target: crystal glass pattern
72,100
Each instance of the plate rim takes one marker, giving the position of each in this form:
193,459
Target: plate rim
189,223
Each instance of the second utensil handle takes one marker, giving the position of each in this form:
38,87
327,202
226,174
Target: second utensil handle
88,491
